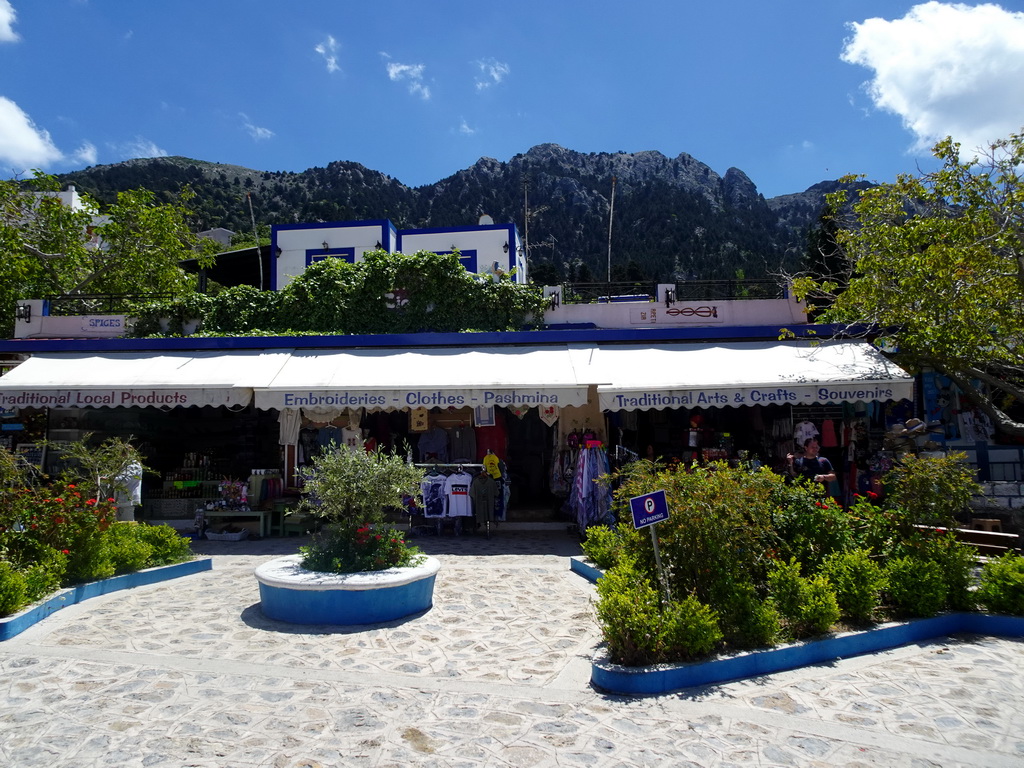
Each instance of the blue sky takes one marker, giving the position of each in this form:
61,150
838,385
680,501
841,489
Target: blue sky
790,91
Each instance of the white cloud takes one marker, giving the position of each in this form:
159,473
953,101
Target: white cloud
138,147
328,49
258,133
491,73
465,129
85,154
410,74
7,17
22,144
946,69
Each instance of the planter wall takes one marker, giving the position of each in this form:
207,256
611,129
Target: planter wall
288,592
663,678
19,622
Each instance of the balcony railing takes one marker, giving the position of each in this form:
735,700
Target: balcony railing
689,290
101,303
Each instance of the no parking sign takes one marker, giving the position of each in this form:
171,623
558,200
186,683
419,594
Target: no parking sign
648,509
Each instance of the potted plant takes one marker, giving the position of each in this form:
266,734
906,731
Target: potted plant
357,569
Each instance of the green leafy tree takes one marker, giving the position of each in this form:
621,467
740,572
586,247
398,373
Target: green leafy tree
936,263
50,250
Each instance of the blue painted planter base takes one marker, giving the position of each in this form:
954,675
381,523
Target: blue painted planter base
19,622
670,677
289,593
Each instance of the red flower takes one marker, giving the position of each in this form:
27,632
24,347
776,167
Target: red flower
90,502
111,499
58,520
65,552
872,495
59,500
72,485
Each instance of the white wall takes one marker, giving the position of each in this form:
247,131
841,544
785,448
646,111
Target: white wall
483,249
296,244
655,314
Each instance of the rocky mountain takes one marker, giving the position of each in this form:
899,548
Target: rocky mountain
674,218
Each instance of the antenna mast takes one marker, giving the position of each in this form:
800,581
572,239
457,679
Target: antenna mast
256,236
611,216
526,217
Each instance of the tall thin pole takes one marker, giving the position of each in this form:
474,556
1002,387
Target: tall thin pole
611,216
256,237
526,217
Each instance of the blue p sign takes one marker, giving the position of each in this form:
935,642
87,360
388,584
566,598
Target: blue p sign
649,509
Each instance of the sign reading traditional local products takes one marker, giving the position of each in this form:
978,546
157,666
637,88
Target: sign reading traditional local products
124,398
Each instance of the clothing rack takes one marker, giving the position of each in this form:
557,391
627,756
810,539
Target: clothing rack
621,452
448,465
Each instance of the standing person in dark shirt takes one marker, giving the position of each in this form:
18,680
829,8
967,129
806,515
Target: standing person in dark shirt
810,465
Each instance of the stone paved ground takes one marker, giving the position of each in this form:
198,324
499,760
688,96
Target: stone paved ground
189,673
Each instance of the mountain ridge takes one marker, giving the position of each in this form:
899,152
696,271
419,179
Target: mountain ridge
675,217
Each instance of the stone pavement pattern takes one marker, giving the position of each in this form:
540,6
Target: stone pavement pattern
189,673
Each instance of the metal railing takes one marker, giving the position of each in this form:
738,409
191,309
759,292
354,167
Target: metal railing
592,293
703,290
687,290
100,303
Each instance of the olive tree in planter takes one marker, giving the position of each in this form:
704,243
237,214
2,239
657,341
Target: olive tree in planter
357,569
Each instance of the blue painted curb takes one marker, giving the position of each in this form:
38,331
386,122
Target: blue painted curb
19,622
663,678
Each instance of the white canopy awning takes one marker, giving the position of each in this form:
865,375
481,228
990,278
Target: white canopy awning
413,377
124,379
641,377
627,377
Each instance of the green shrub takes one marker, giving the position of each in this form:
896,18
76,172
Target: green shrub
1002,585
45,575
807,606
689,629
12,589
957,562
605,545
820,609
628,612
858,582
931,490
339,548
639,629
746,620
167,545
720,529
916,587
810,526
126,550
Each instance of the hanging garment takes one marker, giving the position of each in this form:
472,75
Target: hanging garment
828,434
432,488
456,489
483,492
289,422
492,465
462,444
493,438
352,438
308,445
804,431
328,436
590,501
433,445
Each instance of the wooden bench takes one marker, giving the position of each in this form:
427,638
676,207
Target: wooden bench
988,543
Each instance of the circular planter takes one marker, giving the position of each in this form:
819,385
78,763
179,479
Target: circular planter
288,592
